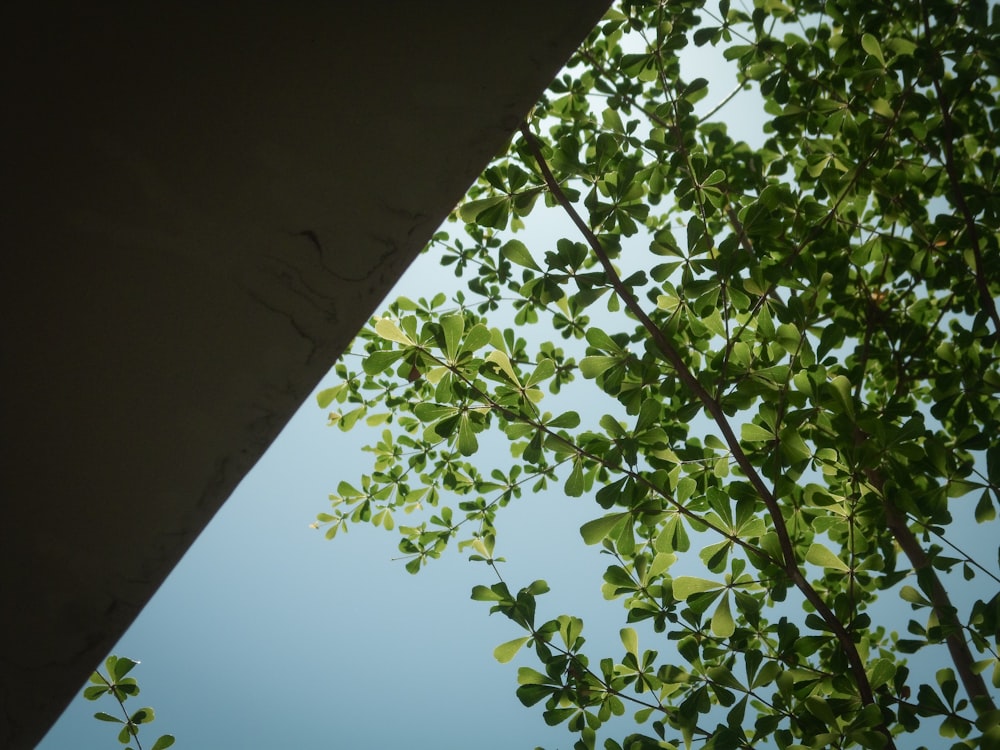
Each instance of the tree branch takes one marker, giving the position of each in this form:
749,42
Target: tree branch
946,613
687,377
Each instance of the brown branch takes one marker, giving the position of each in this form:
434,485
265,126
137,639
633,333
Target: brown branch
687,377
946,613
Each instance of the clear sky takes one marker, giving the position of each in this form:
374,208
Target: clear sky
268,636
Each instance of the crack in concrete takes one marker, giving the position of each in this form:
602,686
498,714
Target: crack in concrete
292,274
313,345
317,245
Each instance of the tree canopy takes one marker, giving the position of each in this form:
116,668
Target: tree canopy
777,360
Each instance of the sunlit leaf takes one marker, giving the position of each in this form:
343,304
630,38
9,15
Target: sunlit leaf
596,530
387,329
630,639
593,366
755,433
504,364
684,586
870,45
723,624
821,555
507,651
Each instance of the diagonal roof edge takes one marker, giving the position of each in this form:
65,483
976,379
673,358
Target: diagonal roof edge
205,203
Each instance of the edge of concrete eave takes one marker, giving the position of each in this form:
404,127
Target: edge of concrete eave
180,276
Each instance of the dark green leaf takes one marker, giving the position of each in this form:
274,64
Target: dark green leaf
516,252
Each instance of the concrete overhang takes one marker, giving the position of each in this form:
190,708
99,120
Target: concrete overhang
204,203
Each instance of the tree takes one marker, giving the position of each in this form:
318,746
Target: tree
789,360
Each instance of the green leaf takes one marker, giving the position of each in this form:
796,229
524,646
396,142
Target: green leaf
600,528
486,594
685,586
163,742
478,337
108,717
765,325
575,482
984,509
870,45
536,588
503,363
793,447
120,667
544,370
881,672
452,326
472,210
753,433
715,555
326,396
595,365
516,252
143,716
529,695
378,362
556,716
507,651
723,624
467,442
672,537
598,339
824,557
569,419
789,337
387,329
529,676
612,120
715,178
842,389
911,595
630,639
661,562
686,487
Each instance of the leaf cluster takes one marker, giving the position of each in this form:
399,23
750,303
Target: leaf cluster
115,683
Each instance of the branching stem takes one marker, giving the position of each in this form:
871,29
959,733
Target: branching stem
946,613
714,408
